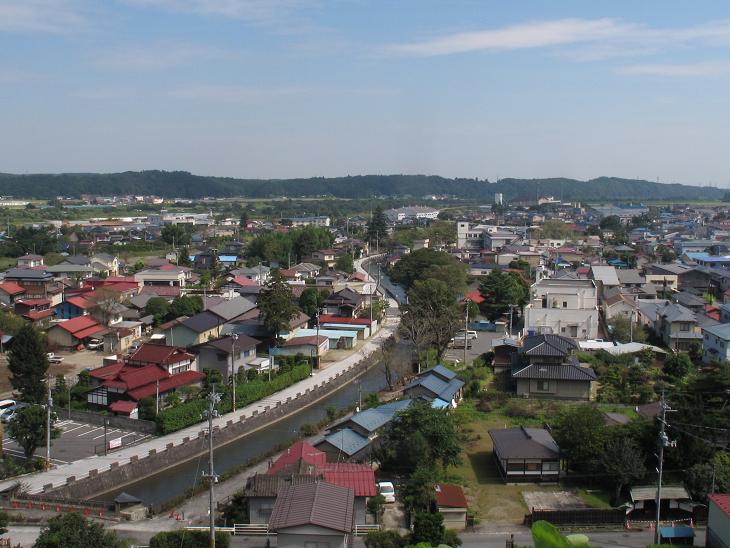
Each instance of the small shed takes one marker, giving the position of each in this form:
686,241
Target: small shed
679,535
451,503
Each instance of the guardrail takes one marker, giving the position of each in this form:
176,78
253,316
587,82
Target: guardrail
262,529
361,530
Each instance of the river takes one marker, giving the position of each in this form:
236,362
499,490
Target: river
174,482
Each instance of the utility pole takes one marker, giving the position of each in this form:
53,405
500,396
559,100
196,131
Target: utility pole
211,476
511,309
49,407
663,442
466,326
106,444
316,363
157,398
234,338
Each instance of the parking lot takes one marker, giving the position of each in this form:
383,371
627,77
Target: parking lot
77,440
480,345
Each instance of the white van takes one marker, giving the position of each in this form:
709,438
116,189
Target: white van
6,404
469,335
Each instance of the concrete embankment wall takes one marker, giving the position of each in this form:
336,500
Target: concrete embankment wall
113,421
116,475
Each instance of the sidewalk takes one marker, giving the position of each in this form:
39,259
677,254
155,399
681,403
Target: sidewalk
33,483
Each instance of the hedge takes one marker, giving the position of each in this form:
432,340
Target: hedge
191,412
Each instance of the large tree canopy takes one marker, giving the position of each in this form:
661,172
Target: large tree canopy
28,364
429,263
276,304
501,289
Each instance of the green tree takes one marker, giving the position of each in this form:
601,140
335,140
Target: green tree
419,490
580,432
11,323
677,365
276,304
158,307
624,332
555,229
437,427
183,257
345,263
188,305
147,408
501,289
376,507
428,263
611,222
72,530
311,300
28,429
700,477
175,235
428,527
623,462
384,539
28,365
431,305
377,228
3,523
243,220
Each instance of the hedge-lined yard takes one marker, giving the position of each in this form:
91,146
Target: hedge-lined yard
191,412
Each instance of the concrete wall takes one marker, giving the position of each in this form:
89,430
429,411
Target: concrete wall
135,425
116,475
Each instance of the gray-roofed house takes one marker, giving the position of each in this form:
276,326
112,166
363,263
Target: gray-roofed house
437,383
194,330
314,515
231,309
630,277
217,354
261,491
526,454
677,326
545,367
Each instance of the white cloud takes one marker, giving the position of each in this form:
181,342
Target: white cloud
51,16
679,70
157,56
523,36
255,10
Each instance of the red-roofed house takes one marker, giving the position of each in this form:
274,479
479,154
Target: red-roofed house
718,521
37,311
174,360
9,292
451,503
474,296
301,450
71,333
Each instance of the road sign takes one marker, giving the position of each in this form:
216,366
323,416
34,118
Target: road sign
115,443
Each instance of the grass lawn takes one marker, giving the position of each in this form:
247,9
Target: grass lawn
488,496
7,262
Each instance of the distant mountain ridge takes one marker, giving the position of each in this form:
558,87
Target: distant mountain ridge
181,184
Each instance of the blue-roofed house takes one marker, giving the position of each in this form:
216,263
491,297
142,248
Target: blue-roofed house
352,439
437,382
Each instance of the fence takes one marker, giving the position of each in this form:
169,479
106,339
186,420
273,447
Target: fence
579,516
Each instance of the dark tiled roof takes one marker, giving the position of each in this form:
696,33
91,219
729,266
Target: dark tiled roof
320,504
561,372
521,442
202,322
264,485
547,345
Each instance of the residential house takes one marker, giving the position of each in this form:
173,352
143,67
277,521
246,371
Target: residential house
38,311
71,271
117,340
259,273
170,358
451,503
313,515
526,454
689,300
9,292
229,310
312,347
545,367
563,307
346,302
677,327
36,283
218,354
29,261
363,326
630,277
175,277
718,521
195,330
687,277
503,350
307,270
716,343
328,257
438,385
605,277
70,334
675,503
75,305
616,303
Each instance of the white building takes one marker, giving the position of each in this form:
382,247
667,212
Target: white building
477,237
307,221
498,198
404,215
563,307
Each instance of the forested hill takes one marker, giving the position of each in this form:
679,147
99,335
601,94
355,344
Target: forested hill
181,184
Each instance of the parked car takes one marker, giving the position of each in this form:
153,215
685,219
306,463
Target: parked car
11,412
386,489
459,343
469,335
95,344
6,404
53,358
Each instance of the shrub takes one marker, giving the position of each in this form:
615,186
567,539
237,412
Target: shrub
189,539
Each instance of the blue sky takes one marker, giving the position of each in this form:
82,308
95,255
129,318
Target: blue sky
299,88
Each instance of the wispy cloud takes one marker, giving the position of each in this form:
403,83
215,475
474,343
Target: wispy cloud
579,39
679,70
158,56
46,16
524,36
253,10
250,94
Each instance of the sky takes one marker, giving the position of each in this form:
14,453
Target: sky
301,88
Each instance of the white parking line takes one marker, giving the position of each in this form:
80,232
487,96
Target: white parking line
76,428
21,454
90,431
109,433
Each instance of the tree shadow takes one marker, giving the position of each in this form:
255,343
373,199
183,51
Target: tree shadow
485,467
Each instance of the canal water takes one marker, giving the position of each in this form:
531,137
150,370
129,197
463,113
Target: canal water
174,482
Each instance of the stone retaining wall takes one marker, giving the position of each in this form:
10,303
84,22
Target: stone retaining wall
116,475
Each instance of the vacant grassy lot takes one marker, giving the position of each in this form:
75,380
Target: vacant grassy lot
488,496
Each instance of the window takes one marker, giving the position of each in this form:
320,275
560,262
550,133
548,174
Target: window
565,304
543,386
684,326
